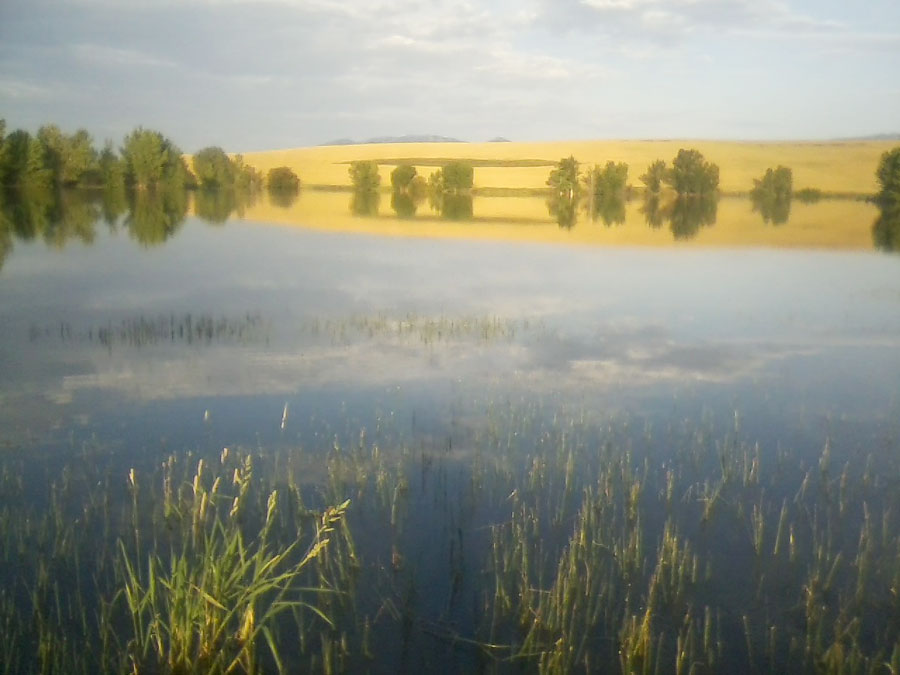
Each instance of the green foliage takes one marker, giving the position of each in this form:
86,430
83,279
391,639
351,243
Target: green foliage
888,175
563,180
457,176
282,179
808,195
68,158
771,195
213,168
691,174
247,178
403,204
654,176
152,159
402,177
610,180
24,161
364,176
111,168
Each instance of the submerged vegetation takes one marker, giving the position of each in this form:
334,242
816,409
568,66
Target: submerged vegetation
535,537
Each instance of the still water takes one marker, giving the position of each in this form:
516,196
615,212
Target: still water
250,333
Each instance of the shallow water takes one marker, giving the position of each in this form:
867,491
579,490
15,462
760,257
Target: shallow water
252,334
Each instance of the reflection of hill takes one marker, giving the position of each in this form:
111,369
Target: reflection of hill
835,224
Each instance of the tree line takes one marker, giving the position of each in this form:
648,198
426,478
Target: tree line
146,160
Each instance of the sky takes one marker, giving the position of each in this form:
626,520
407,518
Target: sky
265,74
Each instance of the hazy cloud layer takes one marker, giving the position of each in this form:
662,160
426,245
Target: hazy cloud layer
252,74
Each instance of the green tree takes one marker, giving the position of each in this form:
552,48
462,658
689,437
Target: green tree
691,174
607,187
771,195
563,180
457,177
888,175
24,160
282,179
110,167
364,176
402,177
565,192
213,168
247,178
654,176
403,204
69,158
152,159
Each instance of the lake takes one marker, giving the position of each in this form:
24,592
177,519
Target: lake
632,445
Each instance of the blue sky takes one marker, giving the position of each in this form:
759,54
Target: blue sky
259,74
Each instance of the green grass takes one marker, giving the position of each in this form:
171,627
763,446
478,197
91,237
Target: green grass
521,535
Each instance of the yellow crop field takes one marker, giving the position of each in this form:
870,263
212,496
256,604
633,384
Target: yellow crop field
831,224
837,167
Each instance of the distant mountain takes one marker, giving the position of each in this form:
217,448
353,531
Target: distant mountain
411,138
499,139
874,137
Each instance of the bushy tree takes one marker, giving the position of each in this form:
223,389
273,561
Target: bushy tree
68,158
888,175
563,180
771,195
282,179
364,176
609,180
654,176
458,176
213,168
152,159
24,161
402,177
691,174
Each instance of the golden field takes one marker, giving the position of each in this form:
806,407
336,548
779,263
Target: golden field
835,167
828,224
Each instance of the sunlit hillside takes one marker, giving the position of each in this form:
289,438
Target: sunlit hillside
838,167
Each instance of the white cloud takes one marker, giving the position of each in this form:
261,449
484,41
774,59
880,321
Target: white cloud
16,89
114,56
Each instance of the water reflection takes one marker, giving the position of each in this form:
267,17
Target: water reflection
609,208
775,208
688,213
563,208
652,210
364,202
283,198
886,228
154,216
217,205
403,204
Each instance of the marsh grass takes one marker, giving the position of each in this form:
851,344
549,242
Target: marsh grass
533,537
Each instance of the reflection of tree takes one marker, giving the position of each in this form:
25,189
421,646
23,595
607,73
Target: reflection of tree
456,206
403,204
365,202
283,198
771,195
610,208
564,209
773,208
75,216
654,214
56,216
155,215
688,213
886,229
113,203
214,205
